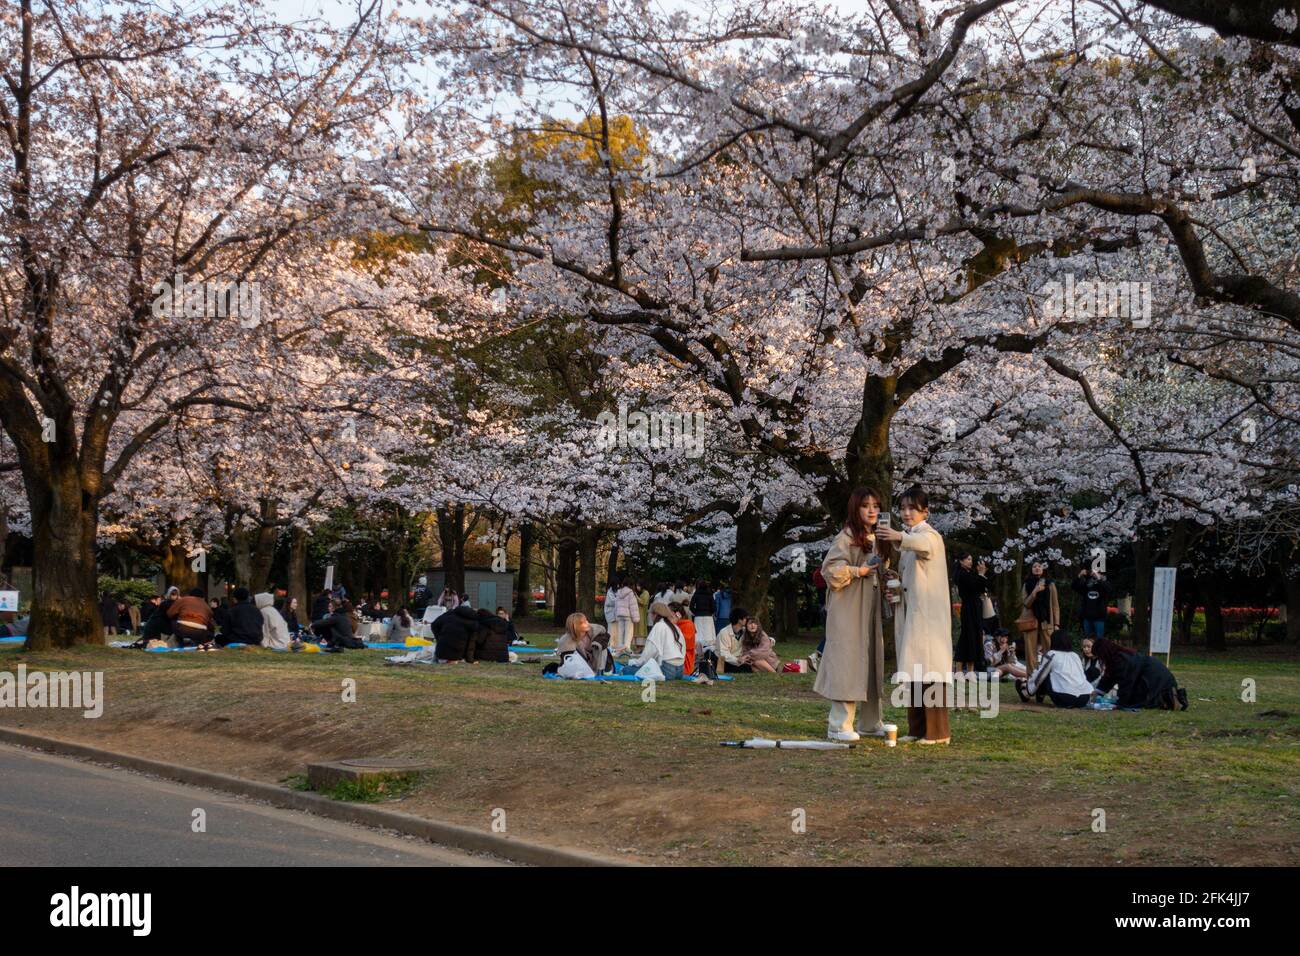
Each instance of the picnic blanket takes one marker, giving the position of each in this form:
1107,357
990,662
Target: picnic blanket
622,677
13,640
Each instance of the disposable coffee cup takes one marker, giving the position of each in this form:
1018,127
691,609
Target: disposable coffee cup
891,735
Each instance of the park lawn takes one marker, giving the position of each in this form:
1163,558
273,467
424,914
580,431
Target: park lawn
592,766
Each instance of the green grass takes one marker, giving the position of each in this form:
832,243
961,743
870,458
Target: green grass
592,765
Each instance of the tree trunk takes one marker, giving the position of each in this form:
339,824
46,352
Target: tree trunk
297,586
264,542
753,570
64,610
1215,638
1143,582
1292,585
451,534
868,460
242,551
524,596
566,600
178,567
785,609
588,539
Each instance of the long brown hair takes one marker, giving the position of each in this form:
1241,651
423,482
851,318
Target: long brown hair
858,529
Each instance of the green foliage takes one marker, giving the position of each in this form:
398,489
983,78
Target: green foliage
130,590
375,788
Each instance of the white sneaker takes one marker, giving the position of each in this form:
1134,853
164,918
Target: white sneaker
876,731
814,659
909,739
843,736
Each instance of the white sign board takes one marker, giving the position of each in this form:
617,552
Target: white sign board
8,600
1162,610
329,578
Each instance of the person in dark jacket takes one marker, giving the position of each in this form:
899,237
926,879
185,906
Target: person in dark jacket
320,607
1094,600
493,640
971,587
1143,681
108,613
456,634
511,634
220,612
243,623
335,629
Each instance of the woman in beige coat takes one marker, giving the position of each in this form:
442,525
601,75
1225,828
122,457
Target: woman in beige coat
851,674
923,628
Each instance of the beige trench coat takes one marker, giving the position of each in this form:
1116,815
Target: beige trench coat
854,633
923,628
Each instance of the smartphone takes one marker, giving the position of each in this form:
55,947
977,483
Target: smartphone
883,520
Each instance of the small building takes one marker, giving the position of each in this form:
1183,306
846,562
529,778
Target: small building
485,587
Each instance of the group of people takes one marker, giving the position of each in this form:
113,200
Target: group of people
194,620
681,638
873,571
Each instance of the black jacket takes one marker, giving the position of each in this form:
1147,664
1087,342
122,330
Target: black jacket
108,611
336,630
702,603
1094,597
493,643
320,607
456,633
243,625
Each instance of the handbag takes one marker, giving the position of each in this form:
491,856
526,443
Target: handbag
1027,621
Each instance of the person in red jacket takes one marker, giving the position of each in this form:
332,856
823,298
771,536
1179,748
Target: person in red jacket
687,627
192,620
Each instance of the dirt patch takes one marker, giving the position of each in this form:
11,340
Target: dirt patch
594,767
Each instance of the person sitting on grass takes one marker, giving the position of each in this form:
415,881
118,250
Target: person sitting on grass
491,642
756,648
243,622
275,632
1143,681
664,644
455,634
1059,675
1092,668
511,633
192,620
687,627
336,630
589,640
729,643
1000,655
399,626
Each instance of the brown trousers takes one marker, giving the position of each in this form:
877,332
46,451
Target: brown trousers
929,722
1035,641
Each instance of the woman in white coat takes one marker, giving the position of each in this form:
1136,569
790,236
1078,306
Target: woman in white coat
275,632
923,628
851,674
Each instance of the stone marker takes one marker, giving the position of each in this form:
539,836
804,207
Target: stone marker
323,776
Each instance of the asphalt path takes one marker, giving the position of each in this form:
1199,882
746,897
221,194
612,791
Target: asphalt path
55,811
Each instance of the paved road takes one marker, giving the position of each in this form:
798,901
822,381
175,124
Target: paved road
60,812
